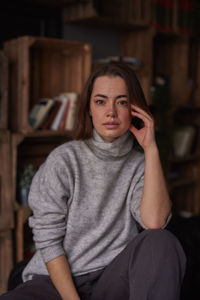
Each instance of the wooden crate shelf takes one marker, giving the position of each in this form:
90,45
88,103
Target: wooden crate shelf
43,68
130,13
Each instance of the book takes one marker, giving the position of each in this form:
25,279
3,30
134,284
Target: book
51,115
33,113
62,125
183,139
72,112
185,16
156,13
58,118
39,113
168,16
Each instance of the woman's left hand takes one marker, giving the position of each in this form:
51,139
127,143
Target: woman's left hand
145,136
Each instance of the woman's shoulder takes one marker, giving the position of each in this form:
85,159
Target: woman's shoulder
65,150
60,157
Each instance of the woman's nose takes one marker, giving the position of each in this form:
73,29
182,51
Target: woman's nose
112,111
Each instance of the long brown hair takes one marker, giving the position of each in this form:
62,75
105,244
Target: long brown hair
113,69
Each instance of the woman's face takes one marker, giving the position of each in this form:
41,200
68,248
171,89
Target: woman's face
110,107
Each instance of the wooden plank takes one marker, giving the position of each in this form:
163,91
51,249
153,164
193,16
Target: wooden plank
6,259
175,26
87,63
171,59
139,44
10,51
179,50
3,91
22,215
6,206
197,90
16,139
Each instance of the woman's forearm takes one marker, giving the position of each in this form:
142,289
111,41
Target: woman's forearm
155,205
60,275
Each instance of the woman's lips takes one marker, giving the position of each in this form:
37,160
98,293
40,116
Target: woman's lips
110,125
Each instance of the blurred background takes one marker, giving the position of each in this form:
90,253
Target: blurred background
47,50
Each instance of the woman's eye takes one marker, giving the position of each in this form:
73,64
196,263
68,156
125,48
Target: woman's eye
123,102
99,101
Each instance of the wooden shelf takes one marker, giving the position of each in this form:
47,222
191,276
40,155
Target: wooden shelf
118,16
49,134
182,183
43,68
185,159
106,22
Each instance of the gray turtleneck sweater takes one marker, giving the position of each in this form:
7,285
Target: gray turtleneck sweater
85,200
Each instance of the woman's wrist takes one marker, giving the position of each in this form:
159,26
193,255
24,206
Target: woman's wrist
151,150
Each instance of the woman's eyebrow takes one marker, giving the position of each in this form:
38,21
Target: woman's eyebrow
103,96
121,96
100,95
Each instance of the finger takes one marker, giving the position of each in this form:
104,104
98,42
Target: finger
140,110
133,129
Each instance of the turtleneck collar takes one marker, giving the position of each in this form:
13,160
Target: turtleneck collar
116,149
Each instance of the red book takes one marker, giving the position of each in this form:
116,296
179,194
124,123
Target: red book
185,16
62,125
155,4
52,115
168,15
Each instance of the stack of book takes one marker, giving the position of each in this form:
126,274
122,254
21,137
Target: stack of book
58,113
163,15
185,16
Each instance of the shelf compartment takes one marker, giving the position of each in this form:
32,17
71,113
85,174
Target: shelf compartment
43,68
182,183
121,14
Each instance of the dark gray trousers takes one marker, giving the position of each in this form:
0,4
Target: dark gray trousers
151,267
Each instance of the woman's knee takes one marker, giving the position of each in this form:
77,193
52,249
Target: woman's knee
160,236
164,244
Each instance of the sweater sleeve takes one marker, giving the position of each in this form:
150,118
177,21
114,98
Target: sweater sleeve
48,197
136,200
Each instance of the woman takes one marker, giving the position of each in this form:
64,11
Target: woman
87,197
